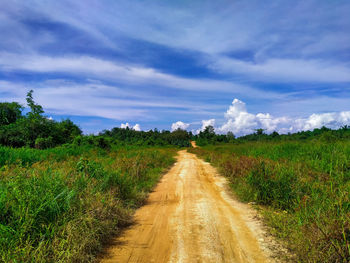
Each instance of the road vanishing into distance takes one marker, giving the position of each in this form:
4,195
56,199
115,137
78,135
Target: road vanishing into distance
191,217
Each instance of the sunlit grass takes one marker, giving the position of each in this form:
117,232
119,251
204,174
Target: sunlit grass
303,188
60,205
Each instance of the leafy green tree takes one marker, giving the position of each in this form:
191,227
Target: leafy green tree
36,110
259,131
230,136
274,134
208,133
34,129
10,112
68,130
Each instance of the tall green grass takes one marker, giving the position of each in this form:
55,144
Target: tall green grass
28,156
302,187
62,204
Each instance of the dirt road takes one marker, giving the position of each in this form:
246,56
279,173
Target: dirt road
190,218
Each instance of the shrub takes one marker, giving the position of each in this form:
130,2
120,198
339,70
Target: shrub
44,143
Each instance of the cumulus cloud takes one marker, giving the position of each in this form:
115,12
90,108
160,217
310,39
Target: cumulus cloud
331,120
179,125
206,123
136,127
241,122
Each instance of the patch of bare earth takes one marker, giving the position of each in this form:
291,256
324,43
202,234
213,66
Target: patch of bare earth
191,217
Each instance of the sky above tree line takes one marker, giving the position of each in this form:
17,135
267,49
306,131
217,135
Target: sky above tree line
236,65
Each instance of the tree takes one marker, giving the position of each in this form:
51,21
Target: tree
208,133
230,136
274,134
33,129
36,110
10,112
259,131
68,130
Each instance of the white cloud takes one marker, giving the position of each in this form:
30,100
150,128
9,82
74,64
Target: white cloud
291,70
102,69
269,123
234,25
241,122
332,120
268,31
235,109
206,123
136,127
179,125
93,98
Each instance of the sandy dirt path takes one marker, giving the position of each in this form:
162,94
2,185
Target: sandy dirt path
193,143
190,217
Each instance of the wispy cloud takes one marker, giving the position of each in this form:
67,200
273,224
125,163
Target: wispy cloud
285,70
93,98
132,75
170,60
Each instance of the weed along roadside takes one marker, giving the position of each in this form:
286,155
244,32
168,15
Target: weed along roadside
63,193
301,188
59,209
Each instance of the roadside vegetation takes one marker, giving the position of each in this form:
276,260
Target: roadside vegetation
62,207
64,194
301,183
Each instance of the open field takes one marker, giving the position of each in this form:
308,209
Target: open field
301,187
194,131
64,194
61,204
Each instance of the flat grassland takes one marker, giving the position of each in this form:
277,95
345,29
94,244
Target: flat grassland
301,187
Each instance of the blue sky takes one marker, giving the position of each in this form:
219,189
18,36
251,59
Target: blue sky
238,65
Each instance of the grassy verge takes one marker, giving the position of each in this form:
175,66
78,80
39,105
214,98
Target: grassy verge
60,205
303,190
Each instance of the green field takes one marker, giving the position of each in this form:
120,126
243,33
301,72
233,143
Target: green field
63,194
61,204
301,187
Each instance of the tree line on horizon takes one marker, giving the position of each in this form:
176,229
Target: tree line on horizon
208,136
35,130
